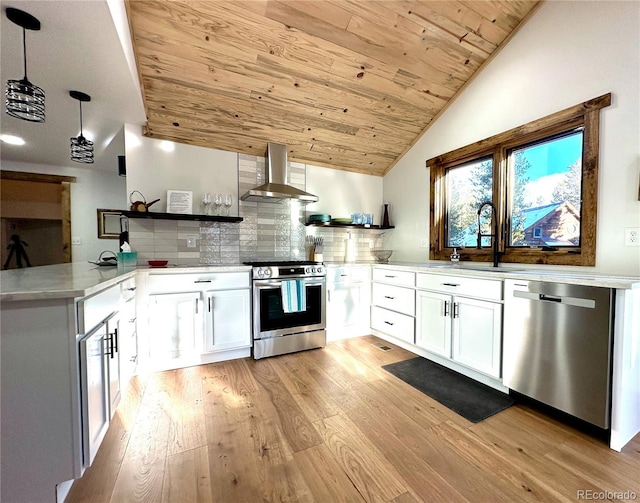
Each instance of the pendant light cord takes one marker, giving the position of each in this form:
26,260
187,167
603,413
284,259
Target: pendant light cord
81,136
24,51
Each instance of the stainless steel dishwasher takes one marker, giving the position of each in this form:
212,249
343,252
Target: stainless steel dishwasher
557,346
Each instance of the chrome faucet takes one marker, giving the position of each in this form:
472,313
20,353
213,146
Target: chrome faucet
494,216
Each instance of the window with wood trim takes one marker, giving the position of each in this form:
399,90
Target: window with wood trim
542,178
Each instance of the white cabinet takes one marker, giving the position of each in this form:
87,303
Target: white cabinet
227,319
100,366
477,334
94,383
175,330
458,327
196,318
112,352
393,303
128,331
348,301
433,325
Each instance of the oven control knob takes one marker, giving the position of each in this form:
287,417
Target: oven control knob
319,270
307,270
266,272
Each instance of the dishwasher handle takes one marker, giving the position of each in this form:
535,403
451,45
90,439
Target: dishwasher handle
549,298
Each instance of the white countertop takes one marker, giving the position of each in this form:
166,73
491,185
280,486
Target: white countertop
77,279
512,271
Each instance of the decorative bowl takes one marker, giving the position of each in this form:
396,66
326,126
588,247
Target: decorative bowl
157,263
382,255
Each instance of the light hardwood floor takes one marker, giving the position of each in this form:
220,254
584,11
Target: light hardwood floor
330,425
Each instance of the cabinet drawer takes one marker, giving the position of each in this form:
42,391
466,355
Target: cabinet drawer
128,290
347,274
167,283
460,285
394,277
93,310
395,298
395,324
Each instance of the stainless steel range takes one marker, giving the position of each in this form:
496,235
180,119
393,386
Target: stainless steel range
278,329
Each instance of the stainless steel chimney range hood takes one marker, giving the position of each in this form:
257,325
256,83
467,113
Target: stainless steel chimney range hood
277,173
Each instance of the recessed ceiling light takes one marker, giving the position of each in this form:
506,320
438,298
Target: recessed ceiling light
167,146
12,140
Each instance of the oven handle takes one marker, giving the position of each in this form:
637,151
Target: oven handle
278,284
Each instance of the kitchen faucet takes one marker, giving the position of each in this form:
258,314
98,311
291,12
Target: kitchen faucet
494,216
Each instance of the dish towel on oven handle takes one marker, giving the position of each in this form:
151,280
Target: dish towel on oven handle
294,296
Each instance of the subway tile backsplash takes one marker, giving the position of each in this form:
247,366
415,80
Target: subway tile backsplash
268,231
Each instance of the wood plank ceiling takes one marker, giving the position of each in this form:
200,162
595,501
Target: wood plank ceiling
347,84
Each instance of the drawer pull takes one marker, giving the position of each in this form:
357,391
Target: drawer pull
344,275
390,276
132,289
202,281
389,323
388,297
450,284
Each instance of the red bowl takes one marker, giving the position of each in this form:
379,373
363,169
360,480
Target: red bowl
157,263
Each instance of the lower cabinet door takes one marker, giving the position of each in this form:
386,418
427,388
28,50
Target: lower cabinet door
114,363
477,335
94,386
433,322
175,330
227,319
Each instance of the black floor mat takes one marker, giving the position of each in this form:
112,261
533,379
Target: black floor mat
471,399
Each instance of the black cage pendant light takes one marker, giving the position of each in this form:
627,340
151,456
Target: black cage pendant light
24,100
81,148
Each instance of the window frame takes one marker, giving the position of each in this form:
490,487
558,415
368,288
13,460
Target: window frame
586,115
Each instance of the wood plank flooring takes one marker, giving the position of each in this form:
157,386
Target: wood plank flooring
330,425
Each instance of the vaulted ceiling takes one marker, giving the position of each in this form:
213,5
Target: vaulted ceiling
347,84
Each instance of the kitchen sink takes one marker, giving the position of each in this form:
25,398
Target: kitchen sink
489,269
457,268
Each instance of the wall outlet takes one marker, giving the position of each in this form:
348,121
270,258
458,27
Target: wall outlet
632,236
191,241
424,243
76,240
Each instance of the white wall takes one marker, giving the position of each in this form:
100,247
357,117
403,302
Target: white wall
97,186
343,193
567,53
153,171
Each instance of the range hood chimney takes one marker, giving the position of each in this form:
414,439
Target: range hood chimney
277,174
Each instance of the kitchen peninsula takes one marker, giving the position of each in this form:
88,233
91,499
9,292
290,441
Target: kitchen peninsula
59,391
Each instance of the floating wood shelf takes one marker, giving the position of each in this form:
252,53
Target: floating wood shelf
352,226
181,216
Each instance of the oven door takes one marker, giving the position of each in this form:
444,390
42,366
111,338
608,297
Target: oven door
269,318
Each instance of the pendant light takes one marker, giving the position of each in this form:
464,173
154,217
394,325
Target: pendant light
24,100
81,148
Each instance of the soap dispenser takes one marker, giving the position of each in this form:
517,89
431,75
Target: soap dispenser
455,256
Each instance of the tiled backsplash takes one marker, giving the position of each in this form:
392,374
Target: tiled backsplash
268,230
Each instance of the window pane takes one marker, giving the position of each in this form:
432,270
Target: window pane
468,186
546,191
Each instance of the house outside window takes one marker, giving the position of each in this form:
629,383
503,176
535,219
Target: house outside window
542,179
546,192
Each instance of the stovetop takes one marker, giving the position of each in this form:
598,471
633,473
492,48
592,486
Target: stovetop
287,269
281,263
